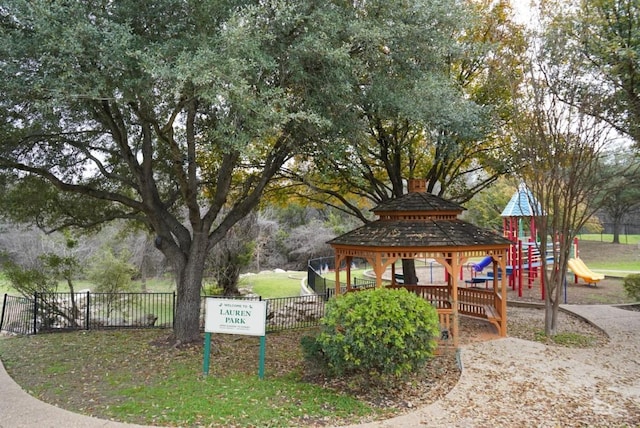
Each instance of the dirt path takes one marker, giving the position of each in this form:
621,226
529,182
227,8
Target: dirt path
514,382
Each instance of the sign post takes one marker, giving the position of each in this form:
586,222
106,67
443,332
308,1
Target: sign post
233,316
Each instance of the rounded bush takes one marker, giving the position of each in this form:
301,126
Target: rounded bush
383,331
631,286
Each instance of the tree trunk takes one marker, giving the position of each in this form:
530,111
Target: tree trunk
616,231
189,283
409,271
551,304
554,283
550,320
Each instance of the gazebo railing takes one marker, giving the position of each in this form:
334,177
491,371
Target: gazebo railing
446,340
472,301
437,295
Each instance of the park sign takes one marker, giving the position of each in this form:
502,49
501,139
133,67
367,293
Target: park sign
231,316
235,316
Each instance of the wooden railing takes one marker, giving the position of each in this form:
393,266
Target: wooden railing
448,335
471,301
437,295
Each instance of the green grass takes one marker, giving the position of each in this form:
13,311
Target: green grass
274,284
573,340
164,284
183,400
608,237
138,377
355,273
615,268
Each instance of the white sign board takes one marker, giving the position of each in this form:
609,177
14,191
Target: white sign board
247,317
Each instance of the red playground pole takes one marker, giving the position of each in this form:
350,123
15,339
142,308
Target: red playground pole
530,267
520,266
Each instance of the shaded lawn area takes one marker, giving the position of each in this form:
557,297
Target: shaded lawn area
138,376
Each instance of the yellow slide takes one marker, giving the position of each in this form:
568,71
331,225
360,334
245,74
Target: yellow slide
581,270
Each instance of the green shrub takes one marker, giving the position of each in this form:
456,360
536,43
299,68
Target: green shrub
111,273
212,290
376,332
632,286
313,355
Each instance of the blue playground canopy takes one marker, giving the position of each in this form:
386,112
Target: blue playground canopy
520,204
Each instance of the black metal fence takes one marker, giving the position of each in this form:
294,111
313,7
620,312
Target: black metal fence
17,315
92,311
86,311
326,287
285,313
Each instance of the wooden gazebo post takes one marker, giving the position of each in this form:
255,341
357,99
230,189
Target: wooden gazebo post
420,225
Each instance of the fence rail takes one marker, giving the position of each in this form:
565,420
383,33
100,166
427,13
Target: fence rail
17,315
86,311
285,313
93,311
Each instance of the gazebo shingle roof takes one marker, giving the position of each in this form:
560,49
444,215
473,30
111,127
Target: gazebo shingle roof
425,202
435,225
422,233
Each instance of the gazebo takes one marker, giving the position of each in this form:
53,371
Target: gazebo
419,225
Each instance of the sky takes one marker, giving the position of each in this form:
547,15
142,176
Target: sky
522,10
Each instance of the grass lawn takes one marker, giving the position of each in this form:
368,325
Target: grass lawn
274,284
608,238
139,377
610,259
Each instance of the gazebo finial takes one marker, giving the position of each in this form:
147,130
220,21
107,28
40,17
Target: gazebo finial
417,185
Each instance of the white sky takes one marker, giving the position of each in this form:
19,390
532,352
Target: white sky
522,10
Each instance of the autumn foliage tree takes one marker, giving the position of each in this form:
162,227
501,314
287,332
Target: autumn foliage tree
432,106
601,41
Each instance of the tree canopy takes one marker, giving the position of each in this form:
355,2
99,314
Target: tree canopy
434,110
177,114
599,40
172,114
562,149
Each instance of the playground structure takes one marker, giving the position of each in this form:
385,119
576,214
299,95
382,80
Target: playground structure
525,257
580,270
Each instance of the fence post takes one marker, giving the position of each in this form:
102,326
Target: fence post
88,311
35,313
4,305
173,309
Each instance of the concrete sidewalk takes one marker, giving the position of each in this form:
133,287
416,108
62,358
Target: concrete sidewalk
513,382
505,382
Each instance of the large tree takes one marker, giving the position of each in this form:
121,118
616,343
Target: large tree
601,41
173,114
434,109
622,195
430,109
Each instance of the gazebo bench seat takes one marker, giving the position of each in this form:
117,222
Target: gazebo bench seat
492,316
